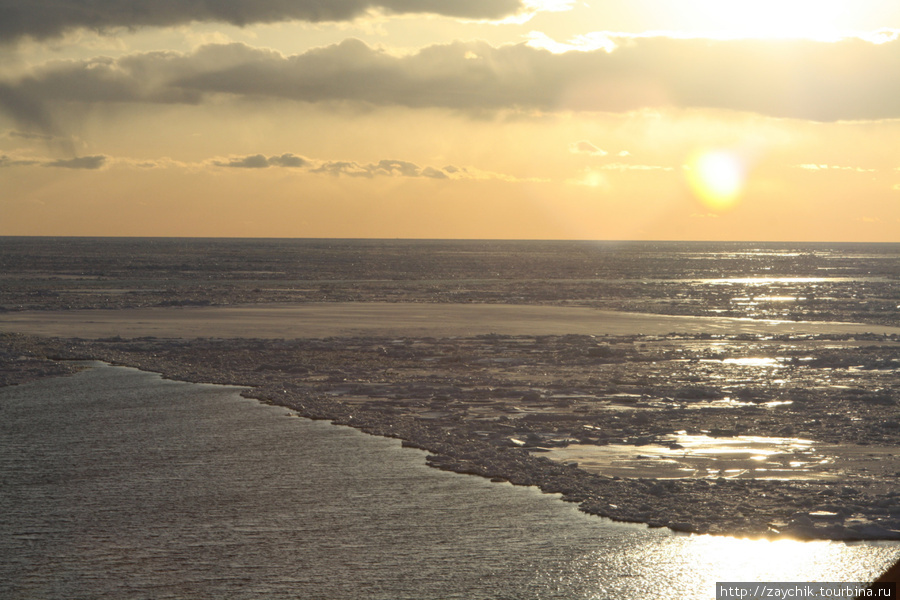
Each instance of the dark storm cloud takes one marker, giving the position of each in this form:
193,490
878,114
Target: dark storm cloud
50,18
82,162
847,80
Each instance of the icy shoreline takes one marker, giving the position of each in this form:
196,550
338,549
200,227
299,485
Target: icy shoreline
479,406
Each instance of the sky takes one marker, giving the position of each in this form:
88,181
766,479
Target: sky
502,119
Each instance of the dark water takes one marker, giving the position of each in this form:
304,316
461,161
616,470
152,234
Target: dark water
854,282
117,484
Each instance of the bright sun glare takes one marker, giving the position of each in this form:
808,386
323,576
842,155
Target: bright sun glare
716,178
755,560
821,19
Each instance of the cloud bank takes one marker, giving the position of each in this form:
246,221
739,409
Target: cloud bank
259,161
50,18
345,168
335,168
81,162
819,81
8,161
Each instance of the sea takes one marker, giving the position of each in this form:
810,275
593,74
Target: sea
854,282
116,483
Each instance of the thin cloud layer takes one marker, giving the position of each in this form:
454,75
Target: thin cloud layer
8,161
847,80
81,162
820,167
335,168
49,18
259,161
586,147
29,136
384,168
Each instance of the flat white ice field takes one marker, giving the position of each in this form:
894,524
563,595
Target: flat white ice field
325,319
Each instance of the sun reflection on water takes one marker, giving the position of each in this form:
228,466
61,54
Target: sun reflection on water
771,280
756,558
689,566
734,559
752,362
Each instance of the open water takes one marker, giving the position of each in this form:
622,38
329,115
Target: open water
770,280
115,483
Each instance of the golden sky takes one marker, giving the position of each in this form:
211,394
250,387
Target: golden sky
534,119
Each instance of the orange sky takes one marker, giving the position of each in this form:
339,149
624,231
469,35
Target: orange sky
638,119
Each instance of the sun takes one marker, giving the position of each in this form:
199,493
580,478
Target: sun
716,177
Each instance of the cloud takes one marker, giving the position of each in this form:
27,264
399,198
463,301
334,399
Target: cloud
582,43
847,80
585,147
387,168
633,167
50,18
287,160
811,80
29,136
335,168
259,161
825,167
7,161
383,168
25,110
397,167
349,168
81,162
30,113
156,163
433,173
